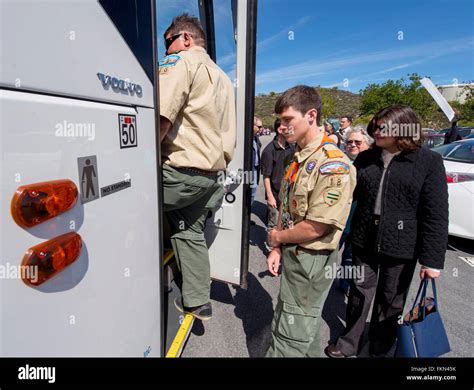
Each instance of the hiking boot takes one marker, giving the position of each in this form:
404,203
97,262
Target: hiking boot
203,312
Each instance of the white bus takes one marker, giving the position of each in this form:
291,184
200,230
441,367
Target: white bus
84,270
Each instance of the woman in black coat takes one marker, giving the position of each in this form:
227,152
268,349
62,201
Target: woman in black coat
401,218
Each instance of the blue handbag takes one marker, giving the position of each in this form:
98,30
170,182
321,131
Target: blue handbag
422,333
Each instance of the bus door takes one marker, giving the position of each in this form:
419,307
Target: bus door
227,230
230,28
230,31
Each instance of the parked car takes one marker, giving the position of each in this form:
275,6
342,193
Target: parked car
459,164
463,131
428,131
433,140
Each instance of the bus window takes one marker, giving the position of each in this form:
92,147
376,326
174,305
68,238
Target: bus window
132,20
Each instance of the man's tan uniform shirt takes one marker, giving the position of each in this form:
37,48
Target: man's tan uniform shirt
197,97
322,191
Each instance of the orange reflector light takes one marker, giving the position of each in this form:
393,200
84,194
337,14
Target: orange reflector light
47,259
36,203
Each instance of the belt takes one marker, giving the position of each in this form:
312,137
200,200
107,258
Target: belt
199,171
376,220
324,252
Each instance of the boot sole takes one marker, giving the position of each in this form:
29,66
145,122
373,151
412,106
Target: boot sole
202,318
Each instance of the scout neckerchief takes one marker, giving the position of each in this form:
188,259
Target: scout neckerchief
287,183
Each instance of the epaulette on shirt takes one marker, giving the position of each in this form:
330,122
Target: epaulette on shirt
334,153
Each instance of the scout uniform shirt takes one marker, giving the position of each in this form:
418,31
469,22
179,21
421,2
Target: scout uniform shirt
323,180
197,97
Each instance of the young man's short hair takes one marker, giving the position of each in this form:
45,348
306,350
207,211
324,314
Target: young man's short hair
191,24
348,117
302,98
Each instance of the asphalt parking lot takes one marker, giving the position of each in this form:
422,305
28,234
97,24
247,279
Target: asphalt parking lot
241,322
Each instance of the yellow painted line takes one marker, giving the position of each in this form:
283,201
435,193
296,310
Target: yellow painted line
168,256
180,337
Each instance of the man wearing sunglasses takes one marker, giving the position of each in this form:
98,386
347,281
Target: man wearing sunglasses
198,135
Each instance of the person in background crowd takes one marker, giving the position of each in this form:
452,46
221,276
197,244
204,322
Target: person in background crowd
272,166
357,140
331,126
256,148
452,134
401,217
346,122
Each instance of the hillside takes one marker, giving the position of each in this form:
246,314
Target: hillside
336,102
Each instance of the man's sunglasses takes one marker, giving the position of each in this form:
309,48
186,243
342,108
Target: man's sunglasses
169,41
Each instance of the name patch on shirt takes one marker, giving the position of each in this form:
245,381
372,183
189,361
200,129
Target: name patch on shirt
334,168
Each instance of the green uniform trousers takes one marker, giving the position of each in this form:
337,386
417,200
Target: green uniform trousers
305,282
188,197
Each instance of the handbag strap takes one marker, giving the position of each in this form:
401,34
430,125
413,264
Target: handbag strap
435,298
435,295
422,290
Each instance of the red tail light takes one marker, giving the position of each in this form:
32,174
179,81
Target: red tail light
47,259
455,177
36,203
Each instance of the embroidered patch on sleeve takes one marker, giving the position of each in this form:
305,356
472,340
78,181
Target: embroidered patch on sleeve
334,168
170,60
332,196
310,166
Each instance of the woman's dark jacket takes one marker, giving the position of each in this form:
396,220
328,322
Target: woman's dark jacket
414,209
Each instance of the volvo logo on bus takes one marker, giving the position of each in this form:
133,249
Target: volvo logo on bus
119,85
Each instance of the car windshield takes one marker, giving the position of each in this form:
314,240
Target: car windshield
444,149
438,141
460,152
464,132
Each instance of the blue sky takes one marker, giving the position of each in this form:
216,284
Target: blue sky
358,41
348,43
